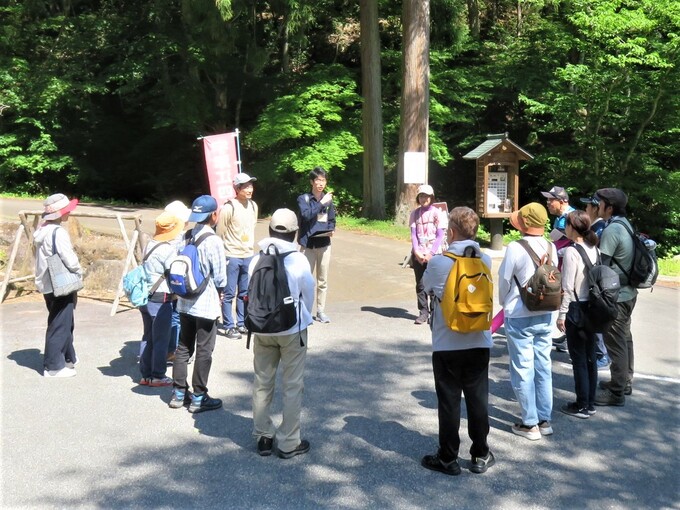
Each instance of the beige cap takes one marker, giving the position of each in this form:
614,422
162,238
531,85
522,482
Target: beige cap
284,221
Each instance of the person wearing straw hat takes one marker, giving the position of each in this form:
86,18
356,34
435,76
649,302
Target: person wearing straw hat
528,332
157,313
60,356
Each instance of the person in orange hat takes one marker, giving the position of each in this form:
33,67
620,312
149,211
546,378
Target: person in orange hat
157,313
528,332
60,356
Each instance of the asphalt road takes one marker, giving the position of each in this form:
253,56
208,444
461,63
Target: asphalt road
101,441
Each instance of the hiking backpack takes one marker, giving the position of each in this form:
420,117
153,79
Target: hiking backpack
645,269
543,291
603,291
135,284
467,300
270,308
185,277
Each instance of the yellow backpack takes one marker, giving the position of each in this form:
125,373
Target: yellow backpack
467,301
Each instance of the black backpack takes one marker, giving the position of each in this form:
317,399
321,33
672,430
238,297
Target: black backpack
645,269
543,291
603,292
270,308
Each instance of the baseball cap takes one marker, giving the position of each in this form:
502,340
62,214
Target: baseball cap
242,179
530,219
594,200
202,207
284,221
426,189
557,192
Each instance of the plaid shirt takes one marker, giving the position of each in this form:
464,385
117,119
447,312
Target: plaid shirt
213,262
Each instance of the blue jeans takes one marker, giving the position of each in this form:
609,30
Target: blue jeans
156,318
529,345
237,279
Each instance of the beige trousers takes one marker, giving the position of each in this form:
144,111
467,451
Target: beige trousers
319,261
269,352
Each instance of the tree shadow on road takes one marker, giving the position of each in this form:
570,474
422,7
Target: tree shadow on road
390,312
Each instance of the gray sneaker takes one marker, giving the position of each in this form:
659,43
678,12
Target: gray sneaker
322,317
607,398
233,334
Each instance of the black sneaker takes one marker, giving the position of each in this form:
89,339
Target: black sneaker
265,446
435,463
591,410
180,399
572,409
205,402
242,329
607,398
481,464
560,345
303,447
627,389
233,334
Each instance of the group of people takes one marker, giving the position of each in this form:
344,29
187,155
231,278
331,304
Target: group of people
224,238
460,360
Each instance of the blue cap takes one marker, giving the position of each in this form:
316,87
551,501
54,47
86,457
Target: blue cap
202,207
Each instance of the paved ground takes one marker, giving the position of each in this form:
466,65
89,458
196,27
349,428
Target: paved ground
101,441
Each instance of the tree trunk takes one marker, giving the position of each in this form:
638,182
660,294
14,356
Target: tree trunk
473,18
415,97
372,126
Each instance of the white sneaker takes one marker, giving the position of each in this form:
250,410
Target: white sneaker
531,433
64,372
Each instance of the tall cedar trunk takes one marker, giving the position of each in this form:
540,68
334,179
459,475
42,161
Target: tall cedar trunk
415,97
372,127
473,18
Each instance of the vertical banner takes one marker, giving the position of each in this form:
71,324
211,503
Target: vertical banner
222,163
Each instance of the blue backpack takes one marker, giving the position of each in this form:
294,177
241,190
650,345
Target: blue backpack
185,277
135,283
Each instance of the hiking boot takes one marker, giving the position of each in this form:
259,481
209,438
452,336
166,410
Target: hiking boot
422,319
265,446
322,317
180,399
205,402
435,463
572,409
607,398
627,389
233,334
60,374
545,428
242,329
481,464
603,363
530,433
303,447
164,381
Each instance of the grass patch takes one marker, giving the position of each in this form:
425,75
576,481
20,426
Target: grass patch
669,267
383,228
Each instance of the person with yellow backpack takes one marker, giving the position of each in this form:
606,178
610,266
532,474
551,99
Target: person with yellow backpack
461,282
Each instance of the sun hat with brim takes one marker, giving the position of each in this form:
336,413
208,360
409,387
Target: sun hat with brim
178,209
58,205
202,207
284,221
168,226
530,219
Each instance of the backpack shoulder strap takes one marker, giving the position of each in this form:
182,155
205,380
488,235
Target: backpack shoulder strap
534,258
581,251
152,250
202,237
627,273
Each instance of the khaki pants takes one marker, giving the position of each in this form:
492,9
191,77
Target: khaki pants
268,351
319,261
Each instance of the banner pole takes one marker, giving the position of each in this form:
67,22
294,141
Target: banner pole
238,150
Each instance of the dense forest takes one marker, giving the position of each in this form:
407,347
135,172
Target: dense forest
108,98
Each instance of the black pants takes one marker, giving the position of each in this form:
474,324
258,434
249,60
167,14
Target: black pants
196,334
59,335
464,371
422,296
582,347
619,342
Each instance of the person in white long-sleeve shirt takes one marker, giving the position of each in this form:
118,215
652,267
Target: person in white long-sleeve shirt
581,343
60,356
528,332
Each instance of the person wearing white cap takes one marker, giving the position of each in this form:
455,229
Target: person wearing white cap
236,227
287,348
60,356
428,226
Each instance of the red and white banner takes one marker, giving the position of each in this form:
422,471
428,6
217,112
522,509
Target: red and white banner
221,161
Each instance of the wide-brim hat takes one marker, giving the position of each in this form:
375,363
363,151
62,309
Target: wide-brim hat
530,219
168,226
58,205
